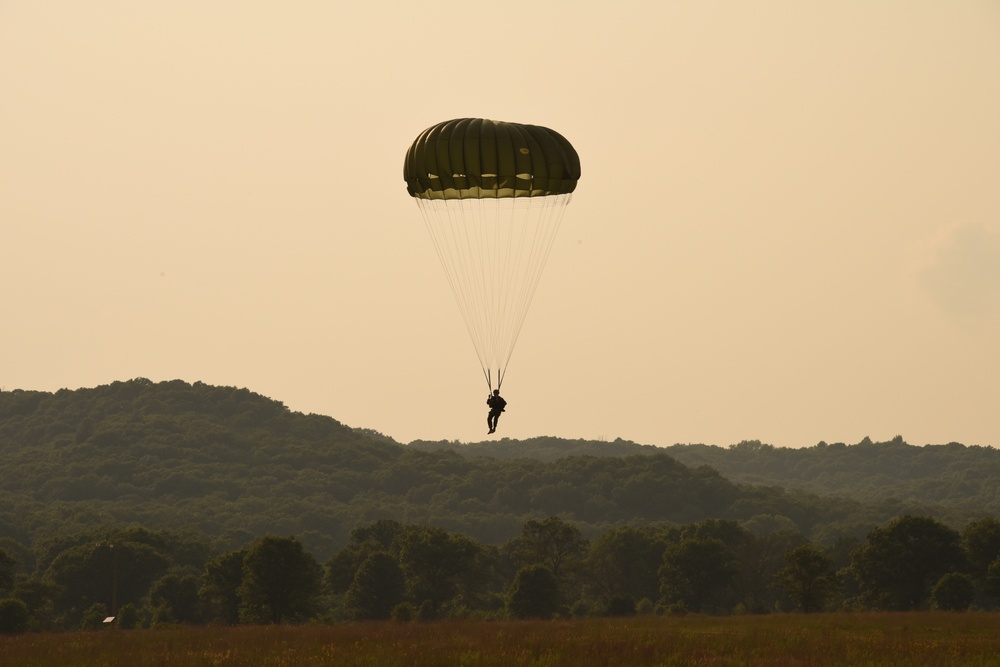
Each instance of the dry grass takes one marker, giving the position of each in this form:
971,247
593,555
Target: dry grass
915,639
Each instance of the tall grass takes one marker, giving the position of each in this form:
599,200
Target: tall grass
910,639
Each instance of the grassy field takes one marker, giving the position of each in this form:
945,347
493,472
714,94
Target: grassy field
914,639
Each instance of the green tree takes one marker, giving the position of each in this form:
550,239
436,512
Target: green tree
128,617
341,569
93,617
698,573
900,563
385,535
624,563
433,561
378,587
554,543
534,593
174,599
39,596
105,574
6,572
761,558
991,585
981,541
807,577
220,587
13,616
479,585
727,531
953,592
404,612
281,582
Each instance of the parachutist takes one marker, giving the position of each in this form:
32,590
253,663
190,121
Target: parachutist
497,405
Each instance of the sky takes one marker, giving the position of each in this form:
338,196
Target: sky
787,227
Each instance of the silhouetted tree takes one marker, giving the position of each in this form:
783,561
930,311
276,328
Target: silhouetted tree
954,592
981,541
534,593
761,558
220,587
807,577
105,574
281,582
554,543
174,599
900,563
93,617
991,586
433,561
6,572
377,588
39,595
698,574
128,617
13,616
624,563
385,535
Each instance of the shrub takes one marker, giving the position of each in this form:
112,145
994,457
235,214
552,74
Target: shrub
128,617
404,612
953,592
93,618
620,605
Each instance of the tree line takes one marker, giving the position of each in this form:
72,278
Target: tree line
242,465
953,477
414,572
947,478
432,530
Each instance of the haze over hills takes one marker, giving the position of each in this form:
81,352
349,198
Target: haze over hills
235,465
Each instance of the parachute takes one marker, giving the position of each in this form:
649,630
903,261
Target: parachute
492,195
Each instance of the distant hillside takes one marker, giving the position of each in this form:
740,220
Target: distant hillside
956,479
235,465
542,448
221,460
953,476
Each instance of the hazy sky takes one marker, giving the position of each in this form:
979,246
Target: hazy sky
787,229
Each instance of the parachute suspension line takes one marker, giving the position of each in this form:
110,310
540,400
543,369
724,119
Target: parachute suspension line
506,269
534,225
493,251
500,228
440,220
545,232
469,248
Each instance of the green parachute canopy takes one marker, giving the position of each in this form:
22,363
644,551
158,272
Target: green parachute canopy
476,158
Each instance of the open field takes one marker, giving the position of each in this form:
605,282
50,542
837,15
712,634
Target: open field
911,639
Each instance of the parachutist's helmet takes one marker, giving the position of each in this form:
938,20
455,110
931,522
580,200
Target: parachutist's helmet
496,392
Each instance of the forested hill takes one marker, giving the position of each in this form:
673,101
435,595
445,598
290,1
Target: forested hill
541,448
235,465
965,478
962,478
